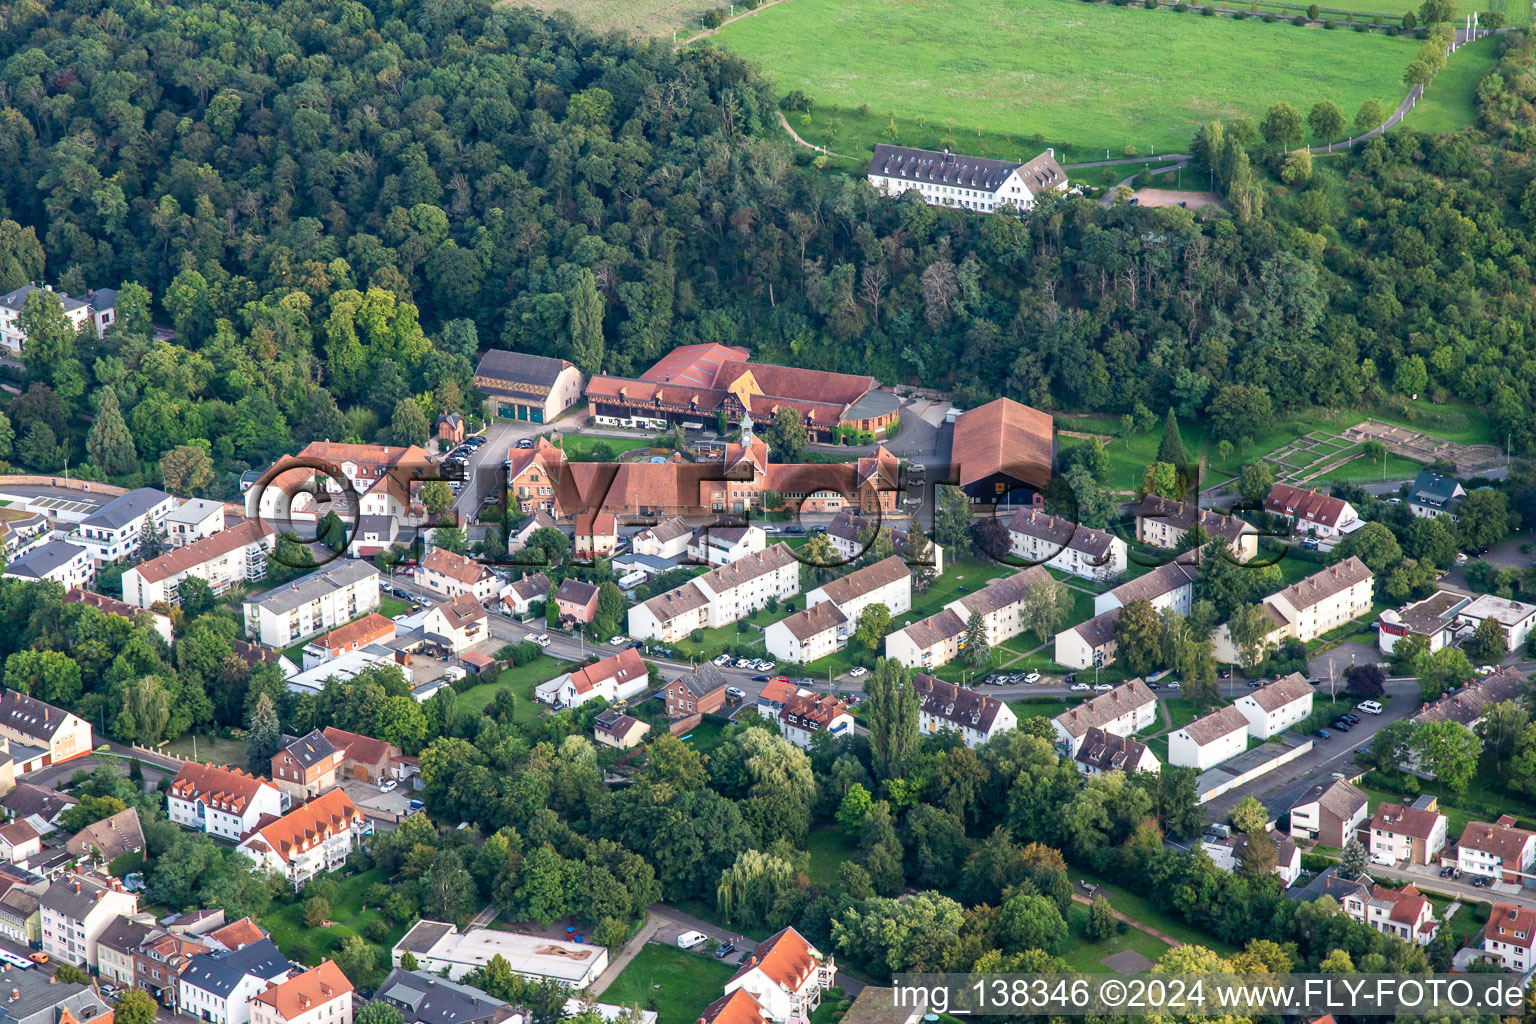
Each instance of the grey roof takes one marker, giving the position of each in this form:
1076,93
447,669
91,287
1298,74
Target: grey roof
427,999
221,970
423,936
1212,727
310,750
113,836
703,680
575,591
125,934
28,799
1061,532
929,165
317,584
39,997
1468,704
193,510
650,562
30,716
74,896
125,508
1338,798
935,629
1104,708
18,298
962,708
531,586
872,405
1099,630
44,559
18,904
1433,489
521,368
1108,752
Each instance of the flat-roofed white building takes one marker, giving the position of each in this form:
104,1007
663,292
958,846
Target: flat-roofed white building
193,520
439,946
1514,617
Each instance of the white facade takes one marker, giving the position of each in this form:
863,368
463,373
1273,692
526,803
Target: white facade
195,519
668,539
1498,851
1091,554
807,635
62,561
1206,742
1392,847
1265,713
321,995
963,182
896,595
1123,711
719,597
575,965
787,984
71,935
321,601
724,545
220,802
1510,937
115,531
1515,618
96,309
229,558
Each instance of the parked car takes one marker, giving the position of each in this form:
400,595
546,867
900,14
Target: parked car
1321,734
387,785
735,691
1032,677
1154,687
725,949
1481,882
1341,726
1370,707
38,958
1254,684
766,666
688,940
525,442
722,661
1486,670
618,641
542,639
1069,678
1351,719
858,672
759,679
1103,688
794,529
1079,687
1445,872
743,662
1173,684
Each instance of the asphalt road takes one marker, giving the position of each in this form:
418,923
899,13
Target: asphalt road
482,474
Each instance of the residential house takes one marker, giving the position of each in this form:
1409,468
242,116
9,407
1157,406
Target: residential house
221,801
116,946
737,1007
577,601
76,909
449,574
1468,705
722,545
307,767
1003,453
887,582
699,690
807,635
95,309
319,836
1063,544
613,728
1307,609
848,532
358,481
40,997
1510,936
805,715
104,841
219,985
774,695
1329,813
1163,522
1433,495
19,842
1434,617
1209,740
450,430
36,805
324,599
1227,854
974,716
718,597
539,520
519,386
1514,618
928,643
456,624
320,995
61,561
354,636
596,535
694,384
1498,851
935,640
441,949
121,609
160,960
424,998
1123,711
1275,707
669,538
519,596
1315,514
1401,913
363,757
1415,833
1089,643
21,918
964,182
114,531
786,976
1169,586
193,520
622,675
41,734
1103,751
22,530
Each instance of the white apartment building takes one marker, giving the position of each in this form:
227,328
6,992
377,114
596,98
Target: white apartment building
1274,708
315,837
722,545
1500,851
1515,618
803,637
228,558
846,534
223,802
1510,936
1163,523
193,520
96,309
323,600
940,638
75,910
64,562
964,182
1065,545
1169,586
786,976
1311,607
1127,709
220,986
1209,740
448,574
887,582
719,597
114,531
321,995
975,717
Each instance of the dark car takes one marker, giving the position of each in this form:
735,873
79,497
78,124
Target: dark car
1223,673
1069,678
1351,719
1321,734
725,949
1154,686
1446,872
759,679
794,529
1481,882
1254,684
746,955
1341,726
525,442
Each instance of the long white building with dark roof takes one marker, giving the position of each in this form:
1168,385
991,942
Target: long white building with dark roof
964,182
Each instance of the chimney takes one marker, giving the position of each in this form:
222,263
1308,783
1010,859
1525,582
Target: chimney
77,887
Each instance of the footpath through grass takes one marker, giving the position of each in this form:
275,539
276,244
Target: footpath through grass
675,983
1096,76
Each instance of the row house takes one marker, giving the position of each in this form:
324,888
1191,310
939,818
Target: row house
1307,609
116,946
973,716
1209,740
1401,913
1318,515
219,985
596,535
221,801
160,960
115,531
40,997
160,622
448,574
940,638
801,638
1468,705
1123,711
1063,544
850,534
320,601
1275,707
318,836
233,557
718,597
1092,643
76,909
1163,522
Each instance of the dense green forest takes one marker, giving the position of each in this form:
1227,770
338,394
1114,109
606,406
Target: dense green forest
337,204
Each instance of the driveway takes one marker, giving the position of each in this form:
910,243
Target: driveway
672,922
482,474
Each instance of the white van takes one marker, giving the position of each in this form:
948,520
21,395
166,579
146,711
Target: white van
688,940
1370,707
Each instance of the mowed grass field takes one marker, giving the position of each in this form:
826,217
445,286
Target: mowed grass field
1448,103
1093,76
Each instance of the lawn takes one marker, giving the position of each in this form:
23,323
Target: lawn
1364,470
209,749
389,607
961,576
828,848
716,640
1455,421
1088,956
1143,910
520,680
1090,75
675,983
1448,104
285,922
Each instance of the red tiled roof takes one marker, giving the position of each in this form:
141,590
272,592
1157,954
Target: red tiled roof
623,667
1304,503
1514,925
366,630
454,566
359,748
1405,821
737,1007
205,550
1004,437
303,992
329,814
241,933
225,789
786,959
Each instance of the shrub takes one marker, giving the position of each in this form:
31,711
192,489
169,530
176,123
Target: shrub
1180,7
1270,17
1240,15
1313,11
1300,21
713,18
1150,5
1208,11
697,636
1393,30
1360,27
376,932
1330,24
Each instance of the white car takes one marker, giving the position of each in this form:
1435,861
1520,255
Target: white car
618,641
387,785
735,691
1079,687
743,662
1032,677
722,661
1174,685
1103,688
858,673
542,639
1370,707
765,666
1486,670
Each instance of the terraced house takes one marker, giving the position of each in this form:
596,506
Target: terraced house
1065,545
975,717
719,597
939,638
